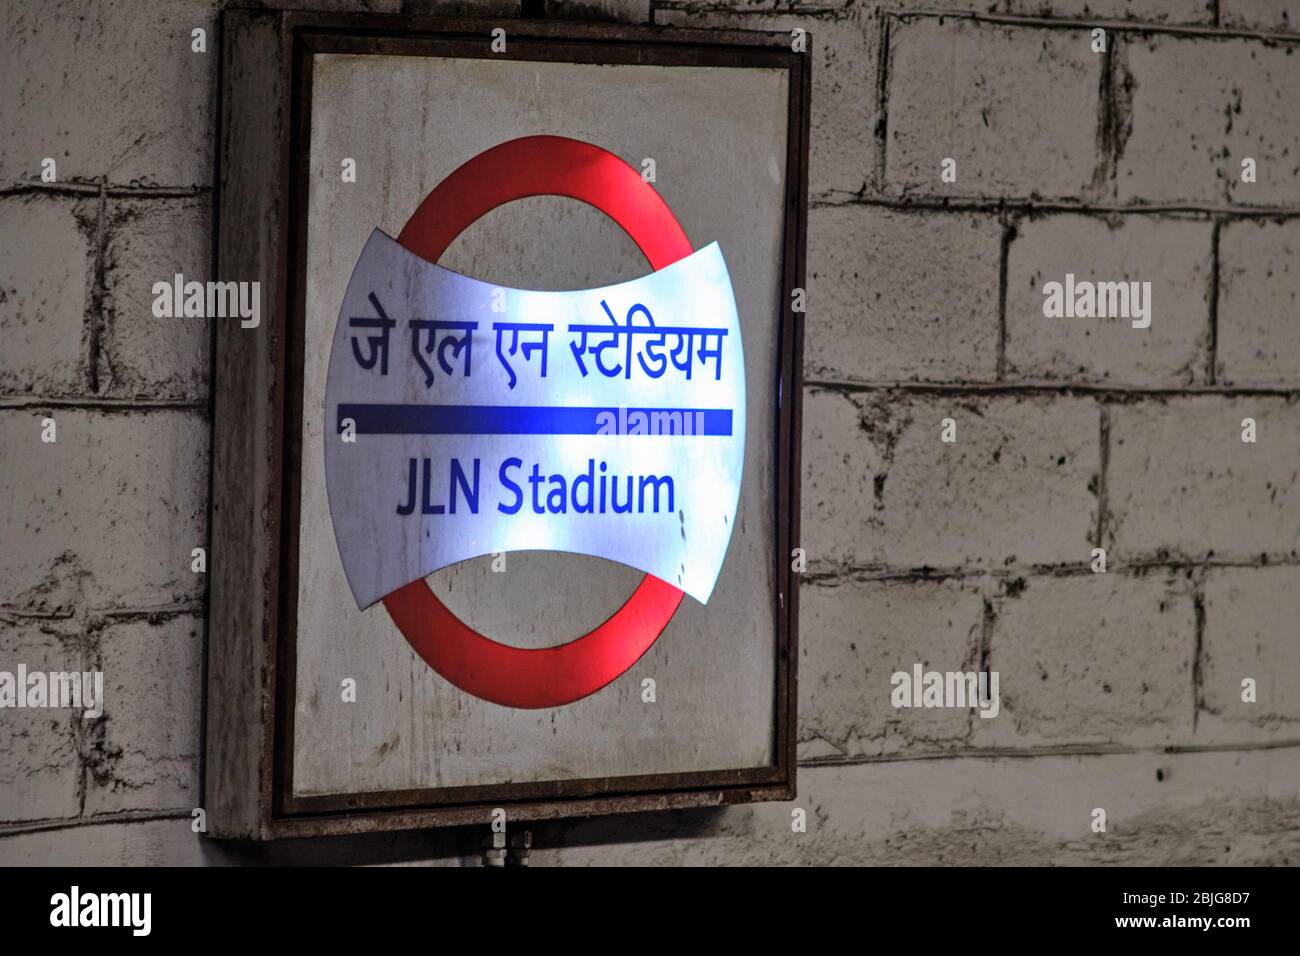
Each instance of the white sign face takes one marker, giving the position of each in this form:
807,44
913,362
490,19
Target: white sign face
465,419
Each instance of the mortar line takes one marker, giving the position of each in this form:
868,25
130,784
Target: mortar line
782,8
160,612
82,729
104,404
795,8
95,819
1103,472
1118,394
1141,28
1198,695
1058,750
924,202
34,614
1004,256
987,618
1108,161
22,187
97,289
882,98
861,573
982,650
79,733
94,650
1211,373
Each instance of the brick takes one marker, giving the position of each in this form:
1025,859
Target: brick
880,488
1018,109
143,754
1162,809
1259,301
40,769
1197,108
1282,16
1173,255
1250,631
1144,11
106,91
143,356
1181,482
1093,658
854,635
124,843
111,510
842,146
901,296
45,283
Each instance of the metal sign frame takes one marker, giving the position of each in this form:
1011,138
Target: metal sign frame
266,89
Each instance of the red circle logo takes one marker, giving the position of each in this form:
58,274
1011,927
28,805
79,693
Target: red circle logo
478,665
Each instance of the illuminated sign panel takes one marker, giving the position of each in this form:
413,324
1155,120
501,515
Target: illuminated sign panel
517,169
607,422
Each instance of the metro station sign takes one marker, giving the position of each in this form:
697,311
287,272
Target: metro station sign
485,333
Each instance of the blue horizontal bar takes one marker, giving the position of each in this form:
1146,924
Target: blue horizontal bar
380,419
